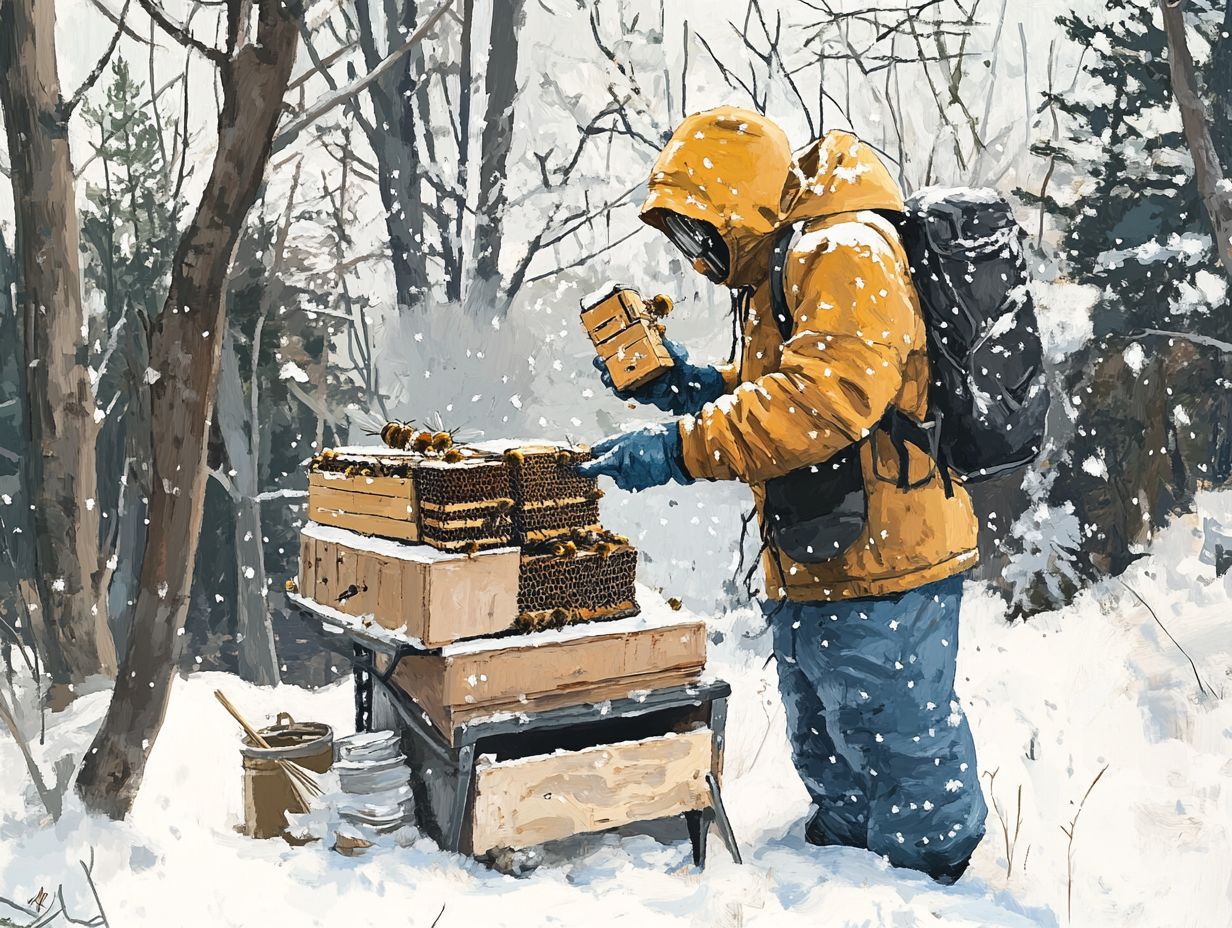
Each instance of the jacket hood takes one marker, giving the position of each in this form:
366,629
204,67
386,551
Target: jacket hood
734,169
838,174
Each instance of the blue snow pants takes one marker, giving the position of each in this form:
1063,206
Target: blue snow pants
877,733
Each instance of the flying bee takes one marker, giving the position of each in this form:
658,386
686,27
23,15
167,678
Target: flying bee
659,305
675,603
421,442
441,441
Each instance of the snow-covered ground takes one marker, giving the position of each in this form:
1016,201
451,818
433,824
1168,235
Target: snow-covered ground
1052,702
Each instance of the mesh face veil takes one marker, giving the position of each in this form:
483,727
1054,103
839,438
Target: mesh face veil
701,243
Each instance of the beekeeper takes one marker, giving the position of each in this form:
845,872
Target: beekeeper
863,573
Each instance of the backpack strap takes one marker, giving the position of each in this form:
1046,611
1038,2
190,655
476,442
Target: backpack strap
783,316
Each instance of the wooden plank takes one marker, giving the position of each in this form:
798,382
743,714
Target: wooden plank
602,661
367,504
393,487
327,572
307,579
525,802
367,525
508,673
589,694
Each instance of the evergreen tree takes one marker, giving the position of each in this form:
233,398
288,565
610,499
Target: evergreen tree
1133,222
128,235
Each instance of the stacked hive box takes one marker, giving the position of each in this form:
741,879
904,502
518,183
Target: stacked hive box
482,541
487,573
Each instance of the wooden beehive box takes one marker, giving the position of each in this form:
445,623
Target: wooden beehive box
626,337
527,673
459,505
434,596
527,801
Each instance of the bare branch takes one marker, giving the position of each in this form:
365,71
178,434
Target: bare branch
116,21
338,97
67,109
180,33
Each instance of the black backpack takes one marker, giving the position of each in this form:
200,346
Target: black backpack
988,399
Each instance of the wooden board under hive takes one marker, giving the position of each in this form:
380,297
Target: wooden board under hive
433,596
527,673
555,590
459,505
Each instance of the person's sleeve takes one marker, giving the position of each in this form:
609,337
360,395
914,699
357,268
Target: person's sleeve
731,376
855,317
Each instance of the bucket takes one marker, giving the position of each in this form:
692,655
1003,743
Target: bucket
268,792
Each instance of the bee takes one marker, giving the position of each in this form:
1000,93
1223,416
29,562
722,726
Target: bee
471,548
570,549
557,549
605,549
453,456
441,441
559,617
675,603
515,455
365,472
595,494
503,505
329,454
350,470
659,305
564,457
421,442
292,586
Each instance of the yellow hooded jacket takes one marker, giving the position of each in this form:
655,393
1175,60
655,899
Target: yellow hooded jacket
858,344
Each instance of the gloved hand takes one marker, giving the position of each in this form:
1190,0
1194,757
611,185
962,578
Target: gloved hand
680,390
648,457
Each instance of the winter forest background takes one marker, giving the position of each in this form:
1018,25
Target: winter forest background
445,182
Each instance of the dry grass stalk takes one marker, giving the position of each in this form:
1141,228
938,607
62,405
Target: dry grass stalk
1069,851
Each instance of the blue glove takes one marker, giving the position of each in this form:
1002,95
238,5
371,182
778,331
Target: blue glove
680,390
648,457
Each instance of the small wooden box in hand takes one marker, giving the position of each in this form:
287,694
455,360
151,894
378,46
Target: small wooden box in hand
628,336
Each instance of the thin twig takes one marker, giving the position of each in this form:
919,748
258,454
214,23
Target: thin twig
1202,687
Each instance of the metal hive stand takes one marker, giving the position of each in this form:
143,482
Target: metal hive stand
443,773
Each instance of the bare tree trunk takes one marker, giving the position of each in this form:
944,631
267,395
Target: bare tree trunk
1208,172
60,468
395,146
135,490
500,81
258,662
184,352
